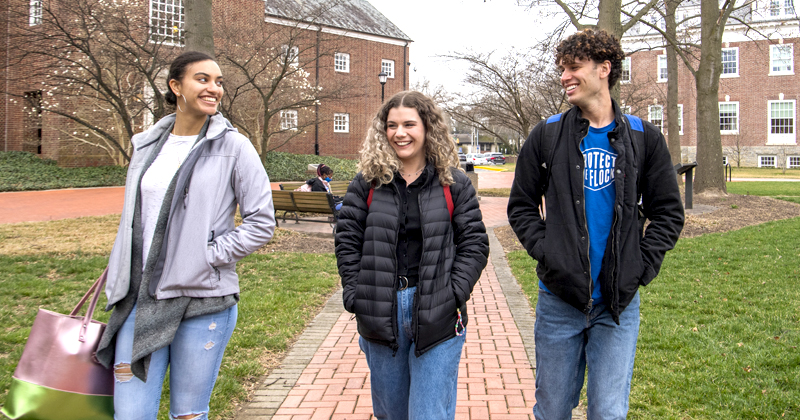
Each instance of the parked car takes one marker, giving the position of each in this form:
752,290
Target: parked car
477,159
496,158
462,157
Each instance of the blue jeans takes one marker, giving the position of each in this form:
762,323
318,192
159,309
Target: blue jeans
567,341
193,357
408,387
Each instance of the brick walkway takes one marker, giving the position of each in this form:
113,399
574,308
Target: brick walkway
495,377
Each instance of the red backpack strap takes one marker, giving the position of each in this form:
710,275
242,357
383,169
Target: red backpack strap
449,198
369,197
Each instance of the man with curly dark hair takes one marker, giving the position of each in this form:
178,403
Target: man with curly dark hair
593,165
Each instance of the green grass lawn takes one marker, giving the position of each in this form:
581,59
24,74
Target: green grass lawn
764,173
720,327
281,293
789,191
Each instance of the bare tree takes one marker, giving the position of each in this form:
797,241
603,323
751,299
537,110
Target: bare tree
272,90
512,93
199,32
92,60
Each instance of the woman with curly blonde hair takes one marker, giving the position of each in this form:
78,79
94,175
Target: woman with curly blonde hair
410,245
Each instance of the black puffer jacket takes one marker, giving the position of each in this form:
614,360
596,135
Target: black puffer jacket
561,243
453,256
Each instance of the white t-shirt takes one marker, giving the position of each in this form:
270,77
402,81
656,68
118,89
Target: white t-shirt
156,181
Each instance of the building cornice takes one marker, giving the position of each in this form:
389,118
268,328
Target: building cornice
336,31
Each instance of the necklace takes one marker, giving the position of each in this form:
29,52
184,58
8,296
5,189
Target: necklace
414,174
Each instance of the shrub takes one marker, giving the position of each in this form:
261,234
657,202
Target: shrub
283,166
23,171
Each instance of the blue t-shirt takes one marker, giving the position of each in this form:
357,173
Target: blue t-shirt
599,193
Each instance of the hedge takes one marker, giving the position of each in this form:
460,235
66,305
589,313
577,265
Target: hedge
23,171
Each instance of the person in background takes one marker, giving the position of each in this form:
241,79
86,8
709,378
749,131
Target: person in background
321,184
172,279
410,246
592,257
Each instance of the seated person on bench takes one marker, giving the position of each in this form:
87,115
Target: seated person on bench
320,183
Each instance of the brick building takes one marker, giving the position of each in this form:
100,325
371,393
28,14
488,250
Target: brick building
344,46
758,91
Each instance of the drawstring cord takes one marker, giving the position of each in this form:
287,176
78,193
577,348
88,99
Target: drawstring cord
459,323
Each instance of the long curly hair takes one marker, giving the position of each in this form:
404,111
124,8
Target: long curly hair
596,45
378,161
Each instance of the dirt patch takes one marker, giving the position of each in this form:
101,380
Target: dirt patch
725,213
286,240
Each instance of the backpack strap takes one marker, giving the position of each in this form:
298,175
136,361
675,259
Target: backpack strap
448,196
637,140
552,129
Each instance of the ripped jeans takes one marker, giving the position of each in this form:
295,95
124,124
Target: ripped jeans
194,358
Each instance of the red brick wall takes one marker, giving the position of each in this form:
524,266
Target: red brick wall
361,103
752,89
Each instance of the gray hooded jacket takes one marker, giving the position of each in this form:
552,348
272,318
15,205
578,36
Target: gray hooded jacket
201,244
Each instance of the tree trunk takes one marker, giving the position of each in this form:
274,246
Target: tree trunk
710,176
673,128
609,19
199,32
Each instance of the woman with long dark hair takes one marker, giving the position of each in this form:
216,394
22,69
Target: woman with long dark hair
172,278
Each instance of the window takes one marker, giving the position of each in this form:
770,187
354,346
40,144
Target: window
680,119
387,66
166,21
625,109
793,162
341,62
656,116
662,68
289,119
766,161
781,60
290,55
781,122
724,160
341,123
729,117
35,17
781,7
626,70
730,62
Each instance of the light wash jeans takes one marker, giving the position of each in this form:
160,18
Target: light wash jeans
410,387
567,341
194,358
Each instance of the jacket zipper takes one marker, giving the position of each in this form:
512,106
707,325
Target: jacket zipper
586,229
395,327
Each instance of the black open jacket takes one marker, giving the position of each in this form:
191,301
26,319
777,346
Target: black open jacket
560,244
454,253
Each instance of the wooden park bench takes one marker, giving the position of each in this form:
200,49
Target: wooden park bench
296,202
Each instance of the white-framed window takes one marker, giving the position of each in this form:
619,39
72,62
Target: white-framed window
341,123
662,68
626,109
387,66
766,161
166,21
729,117
781,59
680,119
781,122
625,77
781,8
793,162
341,62
35,17
290,55
289,119
730,62
655,114
724,160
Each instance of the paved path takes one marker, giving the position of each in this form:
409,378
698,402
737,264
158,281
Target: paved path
325,375
38,206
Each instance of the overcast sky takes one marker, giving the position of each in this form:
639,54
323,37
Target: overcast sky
442,26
